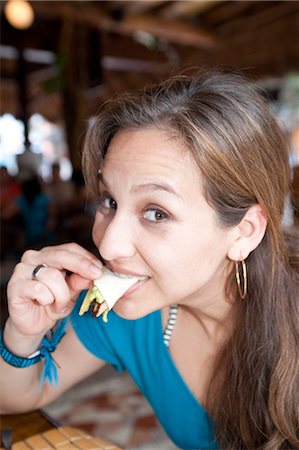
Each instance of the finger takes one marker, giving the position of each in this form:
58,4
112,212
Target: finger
72,247
64,288
21,292
65,258
54,280
76,284
50,288
55,315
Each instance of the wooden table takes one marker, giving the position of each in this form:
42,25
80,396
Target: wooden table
26,425
37,431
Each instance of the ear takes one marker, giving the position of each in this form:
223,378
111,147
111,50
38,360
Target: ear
248,233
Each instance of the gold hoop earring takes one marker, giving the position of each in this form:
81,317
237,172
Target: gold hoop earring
238,278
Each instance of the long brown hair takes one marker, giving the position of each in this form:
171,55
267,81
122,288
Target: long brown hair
243,159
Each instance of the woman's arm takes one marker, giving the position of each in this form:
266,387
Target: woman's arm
34,308
20,388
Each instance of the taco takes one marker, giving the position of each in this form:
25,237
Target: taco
105,292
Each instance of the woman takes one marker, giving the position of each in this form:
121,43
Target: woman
191,178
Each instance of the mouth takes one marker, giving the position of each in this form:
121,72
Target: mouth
135,286
139,280
128,276
124,273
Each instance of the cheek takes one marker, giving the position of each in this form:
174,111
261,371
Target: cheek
194,260
98,229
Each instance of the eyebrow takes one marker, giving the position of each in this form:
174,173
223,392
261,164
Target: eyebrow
152,187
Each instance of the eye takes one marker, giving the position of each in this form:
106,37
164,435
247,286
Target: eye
106,202
155,215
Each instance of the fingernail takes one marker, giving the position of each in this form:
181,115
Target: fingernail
98,263
63,310
97,270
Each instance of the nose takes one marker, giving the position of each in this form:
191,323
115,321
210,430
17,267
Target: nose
115,239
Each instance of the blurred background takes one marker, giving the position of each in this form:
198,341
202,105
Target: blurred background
59,61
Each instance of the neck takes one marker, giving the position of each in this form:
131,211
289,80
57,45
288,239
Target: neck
216,319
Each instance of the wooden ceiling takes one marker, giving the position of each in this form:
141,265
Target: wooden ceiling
92,49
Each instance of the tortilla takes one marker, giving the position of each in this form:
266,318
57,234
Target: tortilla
106,291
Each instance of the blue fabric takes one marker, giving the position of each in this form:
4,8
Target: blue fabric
35,216
48,345
137,346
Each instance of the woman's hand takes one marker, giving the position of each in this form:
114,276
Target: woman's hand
36,304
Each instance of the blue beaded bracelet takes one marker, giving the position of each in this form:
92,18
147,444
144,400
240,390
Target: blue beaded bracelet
48,345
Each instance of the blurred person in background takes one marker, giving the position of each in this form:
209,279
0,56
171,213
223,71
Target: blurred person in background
32,207
9,187
60,192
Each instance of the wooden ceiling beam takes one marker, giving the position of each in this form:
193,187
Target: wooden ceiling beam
225,11
134,65
135,8
174,31
45,11
259,19
186,9
278,50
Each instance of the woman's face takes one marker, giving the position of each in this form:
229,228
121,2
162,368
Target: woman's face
154,221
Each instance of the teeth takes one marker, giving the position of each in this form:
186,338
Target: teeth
123,275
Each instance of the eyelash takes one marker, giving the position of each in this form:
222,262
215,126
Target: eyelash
157,211
102,206
162,215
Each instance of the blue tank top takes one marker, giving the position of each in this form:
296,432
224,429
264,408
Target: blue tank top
137,346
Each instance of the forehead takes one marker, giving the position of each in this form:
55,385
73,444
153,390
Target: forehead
150,151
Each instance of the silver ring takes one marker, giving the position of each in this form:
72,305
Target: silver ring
37,271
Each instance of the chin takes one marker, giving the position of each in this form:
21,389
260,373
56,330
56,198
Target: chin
128,311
